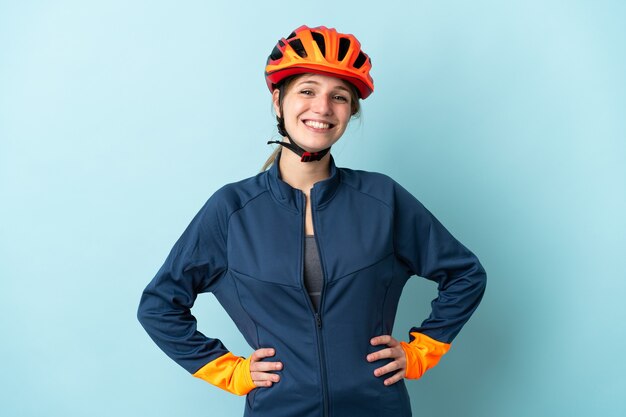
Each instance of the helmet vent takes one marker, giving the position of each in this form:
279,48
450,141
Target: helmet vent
319,40
360,60
293,35
276,54
344,45
297,46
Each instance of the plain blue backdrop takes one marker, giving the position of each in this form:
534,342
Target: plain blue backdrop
118,119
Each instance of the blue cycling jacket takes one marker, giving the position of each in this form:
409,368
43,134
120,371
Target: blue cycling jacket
246,247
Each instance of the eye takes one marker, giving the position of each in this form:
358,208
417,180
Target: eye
341,99
306,92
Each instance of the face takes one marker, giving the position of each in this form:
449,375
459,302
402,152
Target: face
316,110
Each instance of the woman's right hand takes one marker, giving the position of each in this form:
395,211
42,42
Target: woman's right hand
262,371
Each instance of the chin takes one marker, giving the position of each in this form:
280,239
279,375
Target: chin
315,145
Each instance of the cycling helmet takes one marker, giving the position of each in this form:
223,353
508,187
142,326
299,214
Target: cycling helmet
323,51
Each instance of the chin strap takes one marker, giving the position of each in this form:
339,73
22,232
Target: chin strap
305,156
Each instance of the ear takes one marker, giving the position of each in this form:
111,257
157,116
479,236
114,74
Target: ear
275,95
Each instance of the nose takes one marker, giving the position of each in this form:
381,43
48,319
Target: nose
322,105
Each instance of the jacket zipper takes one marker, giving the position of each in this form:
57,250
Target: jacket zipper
320,349
316,314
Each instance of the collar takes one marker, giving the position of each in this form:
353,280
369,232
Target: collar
323,191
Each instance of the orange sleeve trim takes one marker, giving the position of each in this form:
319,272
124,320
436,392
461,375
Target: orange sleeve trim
228,372
422,354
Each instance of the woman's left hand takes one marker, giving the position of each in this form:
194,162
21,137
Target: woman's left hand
393,351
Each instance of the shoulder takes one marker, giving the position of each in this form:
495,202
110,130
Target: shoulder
379,186
374,184
359,178
234,196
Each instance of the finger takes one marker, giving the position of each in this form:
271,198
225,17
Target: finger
264,377
381,340
263,384
384,339
393,342
390,367
381,354
397,377
259,354
263,366
385,354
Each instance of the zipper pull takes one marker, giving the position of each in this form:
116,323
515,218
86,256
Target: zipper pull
319,320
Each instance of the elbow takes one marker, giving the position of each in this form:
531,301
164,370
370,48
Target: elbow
143,312
474,280
480,278
483,275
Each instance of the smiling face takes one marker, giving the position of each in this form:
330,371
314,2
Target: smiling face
316,110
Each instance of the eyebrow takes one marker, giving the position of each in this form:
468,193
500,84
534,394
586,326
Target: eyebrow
341,87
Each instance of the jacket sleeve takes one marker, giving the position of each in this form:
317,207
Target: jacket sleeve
427,249
195,265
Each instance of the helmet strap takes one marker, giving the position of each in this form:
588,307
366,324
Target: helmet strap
305,156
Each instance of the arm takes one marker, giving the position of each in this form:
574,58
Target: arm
427,249
195,265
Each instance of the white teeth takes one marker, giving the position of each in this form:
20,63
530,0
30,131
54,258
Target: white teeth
317,125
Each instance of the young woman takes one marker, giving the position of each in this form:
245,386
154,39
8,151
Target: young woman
309,260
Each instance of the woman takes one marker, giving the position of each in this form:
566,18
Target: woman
309,260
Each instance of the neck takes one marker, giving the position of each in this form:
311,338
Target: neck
302,175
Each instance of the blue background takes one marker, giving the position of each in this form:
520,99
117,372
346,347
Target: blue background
119,119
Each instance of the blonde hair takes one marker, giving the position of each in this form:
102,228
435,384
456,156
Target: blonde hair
272,158
282,89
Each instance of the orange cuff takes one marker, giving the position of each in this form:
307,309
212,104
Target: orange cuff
422,354
228,372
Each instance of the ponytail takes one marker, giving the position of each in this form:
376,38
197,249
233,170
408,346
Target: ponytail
271,159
